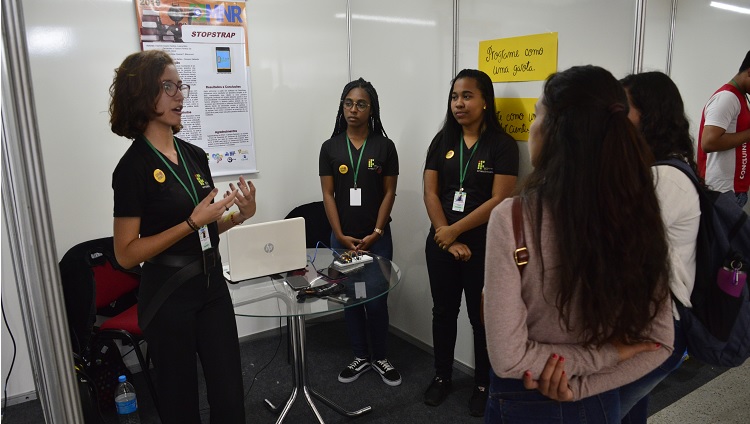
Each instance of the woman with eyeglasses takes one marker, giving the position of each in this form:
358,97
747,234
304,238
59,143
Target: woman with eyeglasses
472,165
165,217
358,168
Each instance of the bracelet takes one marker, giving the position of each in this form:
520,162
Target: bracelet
379,231
192,224
231,218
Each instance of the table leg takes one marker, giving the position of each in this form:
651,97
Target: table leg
296,326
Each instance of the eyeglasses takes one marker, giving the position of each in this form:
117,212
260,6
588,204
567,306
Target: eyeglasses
171,89
361,105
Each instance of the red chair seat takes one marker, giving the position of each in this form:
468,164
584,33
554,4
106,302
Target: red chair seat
126,320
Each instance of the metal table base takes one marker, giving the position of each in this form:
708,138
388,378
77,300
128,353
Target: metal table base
296,326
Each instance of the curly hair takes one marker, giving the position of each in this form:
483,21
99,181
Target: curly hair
134,91
374,125
663,123
593,175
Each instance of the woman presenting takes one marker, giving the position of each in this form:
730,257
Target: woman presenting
165,216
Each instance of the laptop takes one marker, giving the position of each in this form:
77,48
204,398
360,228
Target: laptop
266,248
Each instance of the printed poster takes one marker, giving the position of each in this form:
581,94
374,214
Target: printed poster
208,42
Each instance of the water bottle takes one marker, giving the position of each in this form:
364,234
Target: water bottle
126,402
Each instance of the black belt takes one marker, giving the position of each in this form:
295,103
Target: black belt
210,257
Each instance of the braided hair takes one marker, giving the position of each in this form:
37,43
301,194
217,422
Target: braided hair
373,123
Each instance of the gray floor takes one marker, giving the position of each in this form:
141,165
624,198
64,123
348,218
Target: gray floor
695,393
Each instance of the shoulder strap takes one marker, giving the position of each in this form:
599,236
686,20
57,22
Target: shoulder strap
521,254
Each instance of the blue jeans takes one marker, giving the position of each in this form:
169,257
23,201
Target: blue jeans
510,403
634,396
372,317
741,199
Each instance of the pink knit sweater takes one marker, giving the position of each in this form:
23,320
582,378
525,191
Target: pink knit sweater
523,323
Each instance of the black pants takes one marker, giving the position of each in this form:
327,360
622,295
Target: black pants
448,278
197,318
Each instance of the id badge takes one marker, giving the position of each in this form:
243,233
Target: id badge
459,201
205,238
355,197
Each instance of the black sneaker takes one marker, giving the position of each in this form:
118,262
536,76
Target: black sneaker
387,372
478,401
437,392
352,372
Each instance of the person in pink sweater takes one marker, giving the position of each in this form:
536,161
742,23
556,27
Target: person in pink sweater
590,311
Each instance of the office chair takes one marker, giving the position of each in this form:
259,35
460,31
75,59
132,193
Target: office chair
317,227
95,284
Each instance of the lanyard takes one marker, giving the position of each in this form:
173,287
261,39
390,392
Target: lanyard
194,194
461,168
361,152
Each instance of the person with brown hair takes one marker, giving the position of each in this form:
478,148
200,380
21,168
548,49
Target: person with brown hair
165,216
592,303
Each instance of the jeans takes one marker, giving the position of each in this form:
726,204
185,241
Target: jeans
372,317
741,199
634,396
448,279
510,403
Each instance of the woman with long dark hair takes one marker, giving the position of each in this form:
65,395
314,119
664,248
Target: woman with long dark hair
593,299
165,216
472,165
657,110
358,168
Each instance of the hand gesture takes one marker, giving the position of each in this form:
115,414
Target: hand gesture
206,212
245,199
553,382
349,243
460,251
367,242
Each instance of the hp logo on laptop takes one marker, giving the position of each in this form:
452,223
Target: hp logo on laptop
268,248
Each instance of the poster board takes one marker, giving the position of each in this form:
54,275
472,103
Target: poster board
208,42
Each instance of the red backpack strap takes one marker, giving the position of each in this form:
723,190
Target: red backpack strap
521,254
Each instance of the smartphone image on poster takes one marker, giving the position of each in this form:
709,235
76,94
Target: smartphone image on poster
223,60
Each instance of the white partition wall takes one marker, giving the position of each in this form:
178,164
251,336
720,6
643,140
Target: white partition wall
404,49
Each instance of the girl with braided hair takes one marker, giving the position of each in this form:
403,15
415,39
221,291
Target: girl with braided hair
358,168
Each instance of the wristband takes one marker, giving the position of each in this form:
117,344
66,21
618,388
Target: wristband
192,224
231,218
379,231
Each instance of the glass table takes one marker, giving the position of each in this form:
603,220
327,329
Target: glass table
271,296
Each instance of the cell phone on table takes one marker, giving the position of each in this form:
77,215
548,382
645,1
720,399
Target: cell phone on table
332,274
297,282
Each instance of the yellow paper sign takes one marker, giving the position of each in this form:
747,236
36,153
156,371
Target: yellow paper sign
515,116
527,58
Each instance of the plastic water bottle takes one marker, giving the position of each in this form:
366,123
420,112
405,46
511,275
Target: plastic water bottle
126,402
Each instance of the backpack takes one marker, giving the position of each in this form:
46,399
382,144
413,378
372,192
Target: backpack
717,327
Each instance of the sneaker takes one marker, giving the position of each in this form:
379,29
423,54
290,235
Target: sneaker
478,401
352,372
387,372
437,392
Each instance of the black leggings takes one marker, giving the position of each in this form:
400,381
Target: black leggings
197,318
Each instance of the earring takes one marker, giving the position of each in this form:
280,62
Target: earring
485,107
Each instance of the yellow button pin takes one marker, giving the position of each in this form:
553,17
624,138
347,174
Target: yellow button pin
159,175
449,154
343,169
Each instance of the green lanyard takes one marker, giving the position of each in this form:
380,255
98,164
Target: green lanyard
461,168
361,152
194,194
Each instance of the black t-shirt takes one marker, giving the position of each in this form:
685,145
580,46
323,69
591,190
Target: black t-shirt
145,187
496,153
379,160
